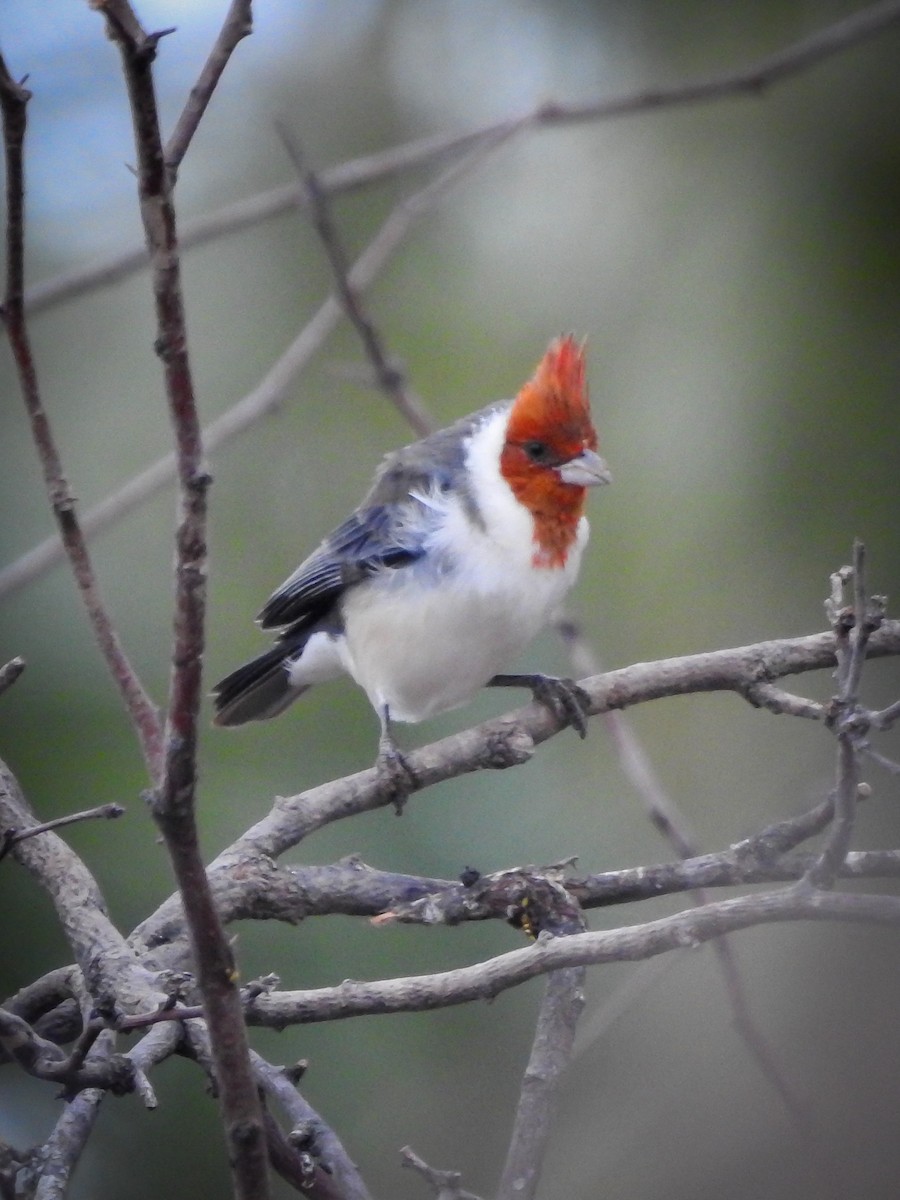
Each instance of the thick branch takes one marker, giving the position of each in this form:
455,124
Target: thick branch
485,980
112,973
510,740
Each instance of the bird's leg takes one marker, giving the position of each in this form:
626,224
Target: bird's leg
563,697
395,774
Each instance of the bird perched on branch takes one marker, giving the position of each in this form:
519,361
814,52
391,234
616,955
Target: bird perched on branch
461,552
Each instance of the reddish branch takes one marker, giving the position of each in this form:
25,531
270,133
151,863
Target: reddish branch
174,795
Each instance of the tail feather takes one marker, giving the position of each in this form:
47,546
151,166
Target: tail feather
258,690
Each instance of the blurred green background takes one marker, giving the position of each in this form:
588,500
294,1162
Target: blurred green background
735,268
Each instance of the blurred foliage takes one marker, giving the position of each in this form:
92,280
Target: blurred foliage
735,266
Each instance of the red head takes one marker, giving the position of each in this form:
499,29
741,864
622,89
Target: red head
549,456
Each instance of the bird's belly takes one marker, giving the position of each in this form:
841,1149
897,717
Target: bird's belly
422,651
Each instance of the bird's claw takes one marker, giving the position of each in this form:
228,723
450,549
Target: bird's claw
396,777
565,699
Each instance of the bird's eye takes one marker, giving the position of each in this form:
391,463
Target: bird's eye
538,452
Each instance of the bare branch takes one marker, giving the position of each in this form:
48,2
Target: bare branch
238,24
845,716
551,1052
45,1060
508,740
110,968
750,81
444,1185
10,837
778,701
887,716
336,1176
634,943
65,1145
665,815
63,1149
141,710
390,376
172,800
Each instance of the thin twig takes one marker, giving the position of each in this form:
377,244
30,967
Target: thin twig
336,1176
141,710
777,700
237,25
390,376
444,1185
10,837
885,718
749,81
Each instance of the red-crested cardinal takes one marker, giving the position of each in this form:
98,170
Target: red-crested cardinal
466,544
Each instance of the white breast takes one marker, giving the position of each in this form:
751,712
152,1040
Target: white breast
425,638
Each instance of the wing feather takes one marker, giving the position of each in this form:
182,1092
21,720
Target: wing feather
373,538
388,530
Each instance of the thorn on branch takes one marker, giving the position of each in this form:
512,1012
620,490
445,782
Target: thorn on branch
295,1072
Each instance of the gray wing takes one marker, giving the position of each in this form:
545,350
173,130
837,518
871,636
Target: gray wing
384,532
364,543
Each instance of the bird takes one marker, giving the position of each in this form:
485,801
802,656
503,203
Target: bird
461,552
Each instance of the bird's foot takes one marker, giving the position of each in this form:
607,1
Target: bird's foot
563,697
396,777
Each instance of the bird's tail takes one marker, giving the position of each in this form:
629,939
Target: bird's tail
256,691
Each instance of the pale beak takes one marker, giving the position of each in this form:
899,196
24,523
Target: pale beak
586,470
